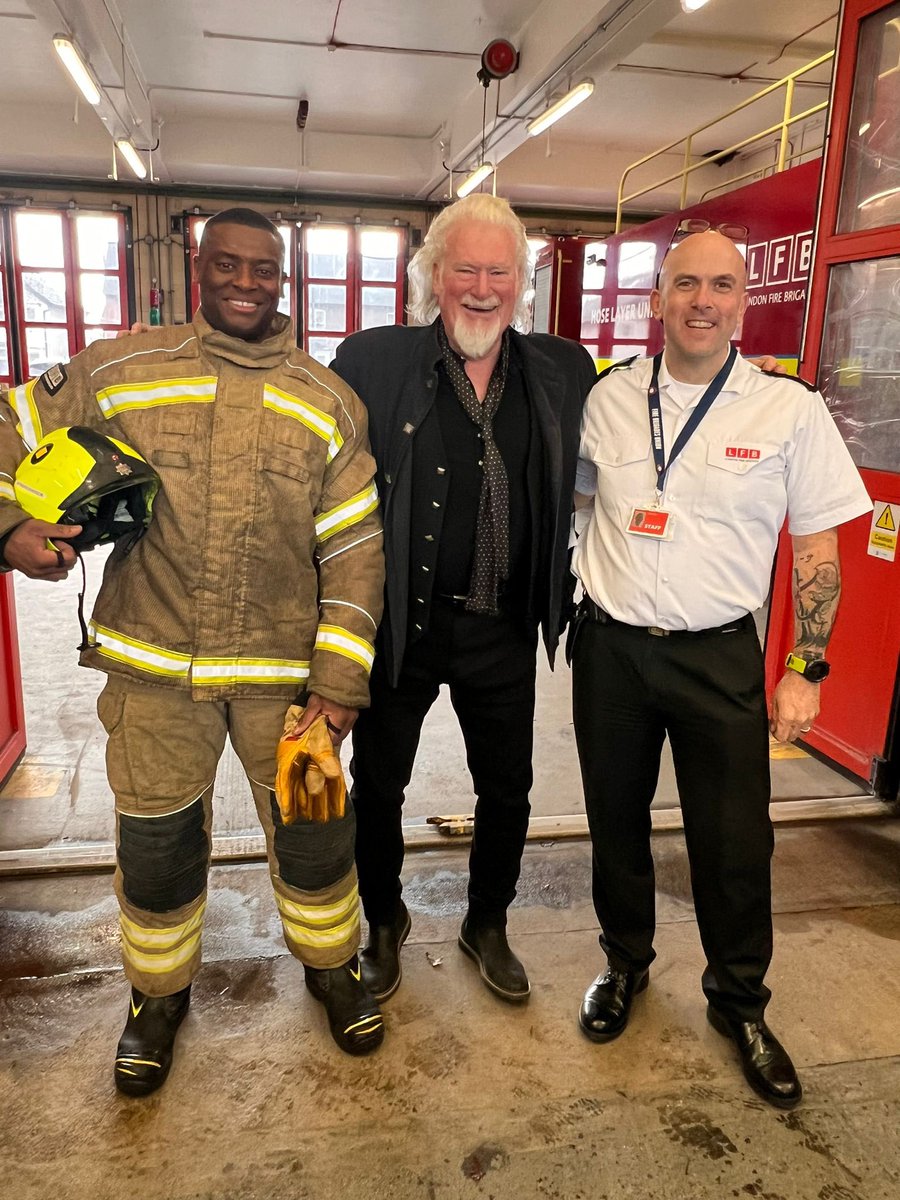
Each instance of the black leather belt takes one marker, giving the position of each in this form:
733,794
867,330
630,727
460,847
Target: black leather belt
593,612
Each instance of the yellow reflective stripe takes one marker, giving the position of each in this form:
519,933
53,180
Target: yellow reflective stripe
320,926
7,491
159,951
248,670
371,1023
318,914
161,939
202,671
161,964
344,935
138,654
347,514
22,400
321,424
126,397
341,641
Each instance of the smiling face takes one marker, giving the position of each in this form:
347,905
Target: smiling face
476,285
239,272
700,300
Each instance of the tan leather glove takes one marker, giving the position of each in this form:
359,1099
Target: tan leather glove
309,781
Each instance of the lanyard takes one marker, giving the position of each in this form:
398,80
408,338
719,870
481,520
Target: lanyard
656,425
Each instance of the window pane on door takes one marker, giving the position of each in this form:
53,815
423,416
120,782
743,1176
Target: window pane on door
326,252
379,248
870,195
98,242
327,307
378,307
100,300
44,295
859,368
594,266
45,347
4,354
39,239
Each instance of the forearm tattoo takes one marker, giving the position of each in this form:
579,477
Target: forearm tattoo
817,589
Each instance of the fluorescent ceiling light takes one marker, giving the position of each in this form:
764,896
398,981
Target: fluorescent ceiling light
471,182
690,6
560,108
132,157
71,59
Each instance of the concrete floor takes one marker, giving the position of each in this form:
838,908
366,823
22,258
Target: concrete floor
468,1097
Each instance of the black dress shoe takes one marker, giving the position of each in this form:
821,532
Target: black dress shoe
354,1018
380,960
767,1065
486,944
144,1052
607,1003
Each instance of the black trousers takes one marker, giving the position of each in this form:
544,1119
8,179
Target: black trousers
706,692
489,664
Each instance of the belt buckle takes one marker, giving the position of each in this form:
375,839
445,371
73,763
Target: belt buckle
655,631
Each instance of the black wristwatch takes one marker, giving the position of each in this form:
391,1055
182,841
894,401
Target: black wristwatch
815,670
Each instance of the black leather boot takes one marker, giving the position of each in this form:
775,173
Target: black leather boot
380,959
144,1052
484,940
354,1017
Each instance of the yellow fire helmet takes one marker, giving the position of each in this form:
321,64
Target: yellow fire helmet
75,476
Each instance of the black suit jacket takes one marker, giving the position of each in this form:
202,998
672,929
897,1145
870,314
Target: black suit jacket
394,372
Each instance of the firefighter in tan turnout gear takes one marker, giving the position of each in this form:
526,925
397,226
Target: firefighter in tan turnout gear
258,580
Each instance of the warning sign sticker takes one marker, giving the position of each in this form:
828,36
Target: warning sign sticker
883,534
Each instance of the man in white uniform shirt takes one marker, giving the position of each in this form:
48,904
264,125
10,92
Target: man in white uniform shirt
693,459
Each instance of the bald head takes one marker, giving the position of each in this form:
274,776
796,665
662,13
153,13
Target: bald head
710,249
700,300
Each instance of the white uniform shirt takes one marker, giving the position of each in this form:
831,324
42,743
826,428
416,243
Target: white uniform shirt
766,447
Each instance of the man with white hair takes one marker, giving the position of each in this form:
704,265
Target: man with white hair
474,428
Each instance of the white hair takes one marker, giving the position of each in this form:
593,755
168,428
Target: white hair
423,306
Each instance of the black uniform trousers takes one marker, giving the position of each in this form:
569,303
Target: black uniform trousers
706,691
489,664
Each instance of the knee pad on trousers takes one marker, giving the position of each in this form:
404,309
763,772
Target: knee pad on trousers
163,860
313,854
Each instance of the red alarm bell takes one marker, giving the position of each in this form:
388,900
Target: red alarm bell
498,59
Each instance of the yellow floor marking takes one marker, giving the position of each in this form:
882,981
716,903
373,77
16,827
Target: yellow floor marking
31,782
785,750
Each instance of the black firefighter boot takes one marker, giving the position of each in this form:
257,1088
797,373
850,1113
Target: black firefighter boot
354,1018
144,1052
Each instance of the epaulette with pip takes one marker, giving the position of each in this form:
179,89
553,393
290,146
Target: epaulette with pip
618,366
810,387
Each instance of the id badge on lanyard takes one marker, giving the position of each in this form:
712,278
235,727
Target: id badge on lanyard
654,521
651,522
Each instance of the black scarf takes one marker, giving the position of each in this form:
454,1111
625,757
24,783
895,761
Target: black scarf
490,561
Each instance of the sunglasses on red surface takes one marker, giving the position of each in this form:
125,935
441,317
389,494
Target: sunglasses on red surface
729,229
687,226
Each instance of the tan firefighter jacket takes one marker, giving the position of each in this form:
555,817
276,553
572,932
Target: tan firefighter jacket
261,572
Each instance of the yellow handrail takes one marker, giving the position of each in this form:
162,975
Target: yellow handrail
781,127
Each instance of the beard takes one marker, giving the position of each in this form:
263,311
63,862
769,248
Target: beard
476,339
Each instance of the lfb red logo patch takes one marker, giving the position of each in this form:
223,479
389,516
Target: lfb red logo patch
741,452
